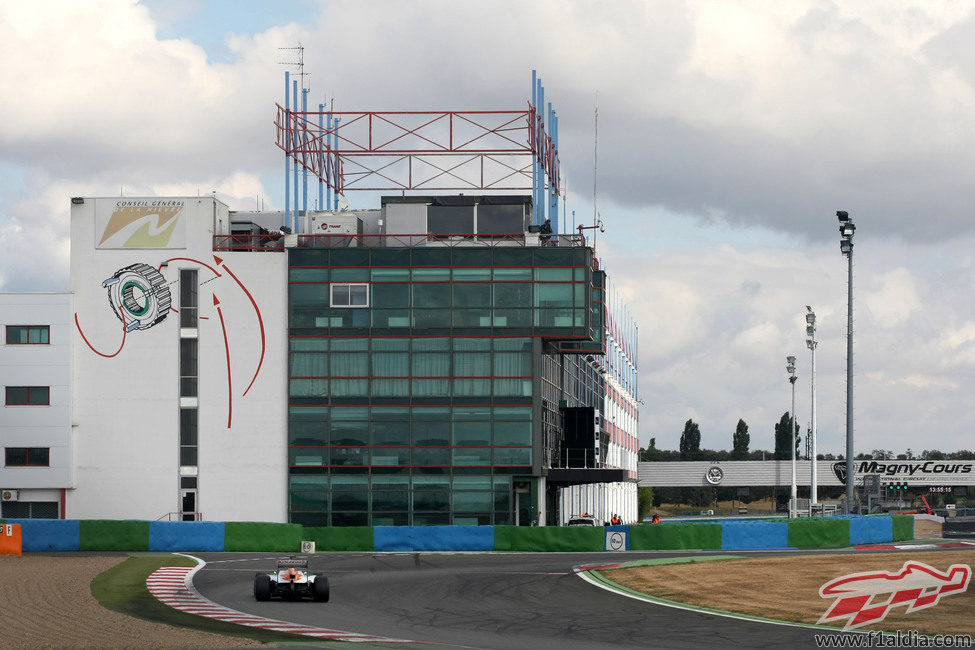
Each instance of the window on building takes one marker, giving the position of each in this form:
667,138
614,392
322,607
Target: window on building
27,456
349,295
188,306
28,334
28,395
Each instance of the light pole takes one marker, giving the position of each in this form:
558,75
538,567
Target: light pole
811,344
847,228
791,368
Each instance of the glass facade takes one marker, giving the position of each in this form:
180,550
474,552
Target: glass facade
424,406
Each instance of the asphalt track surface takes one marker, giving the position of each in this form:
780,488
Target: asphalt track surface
500,600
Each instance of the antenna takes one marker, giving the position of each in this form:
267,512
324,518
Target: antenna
300,63
595,160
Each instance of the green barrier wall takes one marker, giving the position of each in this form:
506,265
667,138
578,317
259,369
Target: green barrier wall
813,533
903,527
255,536
351,538
659,537
109,535
549,538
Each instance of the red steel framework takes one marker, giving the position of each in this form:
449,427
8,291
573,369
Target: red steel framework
419,150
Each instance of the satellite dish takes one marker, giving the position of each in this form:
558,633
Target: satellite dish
343,202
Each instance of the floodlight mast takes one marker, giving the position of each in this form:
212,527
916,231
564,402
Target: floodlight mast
847,228
811,343
791,368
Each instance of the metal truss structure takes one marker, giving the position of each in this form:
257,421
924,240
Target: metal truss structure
419,150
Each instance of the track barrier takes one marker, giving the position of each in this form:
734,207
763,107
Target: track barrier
186,536
10,539
110,535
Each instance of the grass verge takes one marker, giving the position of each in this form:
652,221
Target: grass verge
123,589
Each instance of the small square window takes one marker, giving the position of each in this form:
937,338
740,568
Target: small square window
27,456
349,295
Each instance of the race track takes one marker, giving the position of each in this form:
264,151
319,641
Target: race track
504,601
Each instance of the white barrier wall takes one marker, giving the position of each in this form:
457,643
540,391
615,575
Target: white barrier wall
599,500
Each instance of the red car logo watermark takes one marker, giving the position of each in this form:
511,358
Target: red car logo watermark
867,597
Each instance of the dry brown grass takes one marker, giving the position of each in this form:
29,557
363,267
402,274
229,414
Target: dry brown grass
46,602
787,588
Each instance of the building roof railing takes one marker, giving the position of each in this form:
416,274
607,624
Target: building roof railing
278,242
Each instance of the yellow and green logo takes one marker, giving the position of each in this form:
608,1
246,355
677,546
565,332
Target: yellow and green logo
155,232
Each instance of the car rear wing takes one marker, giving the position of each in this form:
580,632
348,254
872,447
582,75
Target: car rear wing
293,563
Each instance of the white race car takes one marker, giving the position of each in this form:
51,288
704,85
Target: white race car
291,580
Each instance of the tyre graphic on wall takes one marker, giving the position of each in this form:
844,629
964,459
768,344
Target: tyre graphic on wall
139,296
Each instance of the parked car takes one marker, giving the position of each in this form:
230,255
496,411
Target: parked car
581,520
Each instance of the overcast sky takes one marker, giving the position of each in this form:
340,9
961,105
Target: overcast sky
729,134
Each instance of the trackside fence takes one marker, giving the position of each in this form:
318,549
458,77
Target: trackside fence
110,535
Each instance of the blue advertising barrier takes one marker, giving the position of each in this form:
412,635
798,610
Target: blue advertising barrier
49,534
433,538
870,530
186,536
754,534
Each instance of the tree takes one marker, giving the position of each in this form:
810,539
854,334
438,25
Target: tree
644,501
782,451
739,442
651,453
690,441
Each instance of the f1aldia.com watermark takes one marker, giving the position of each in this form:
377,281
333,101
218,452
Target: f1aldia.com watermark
898,639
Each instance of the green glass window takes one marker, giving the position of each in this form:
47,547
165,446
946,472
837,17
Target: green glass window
513,387
390,257
472,294
390,364
389,275
512,294
308,295
390,387
390,295
306,456
390,318
307,433
350,275
512,456
521,413
472,387
390,501
431,433
431,500
553,275
472,433
349,387
472,318
308,482
308,275
390,456
349,456
431,364
472,364
471,274
473,501
554,294
350,432
472,456
431,318
512,364
512,317
431,387
510,274
28,334
309,501
472,482
28,395
349,500
512,433
431,456
308,387
391,433
430,274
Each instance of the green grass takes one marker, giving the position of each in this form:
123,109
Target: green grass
123,589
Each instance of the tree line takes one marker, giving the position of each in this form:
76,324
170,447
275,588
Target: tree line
689,447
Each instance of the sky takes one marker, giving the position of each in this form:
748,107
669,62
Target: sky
729,135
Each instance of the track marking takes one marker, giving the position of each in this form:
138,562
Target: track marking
173,586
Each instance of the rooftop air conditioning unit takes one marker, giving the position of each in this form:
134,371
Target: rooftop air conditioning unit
9,495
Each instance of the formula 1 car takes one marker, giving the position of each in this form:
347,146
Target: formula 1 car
291,580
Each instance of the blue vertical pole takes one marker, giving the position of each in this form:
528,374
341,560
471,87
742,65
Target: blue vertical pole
541,152
287,158
294,219
329,159
335,196
321,160
554,198
304,171
534,144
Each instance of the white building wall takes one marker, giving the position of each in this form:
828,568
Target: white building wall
37,365
127,401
